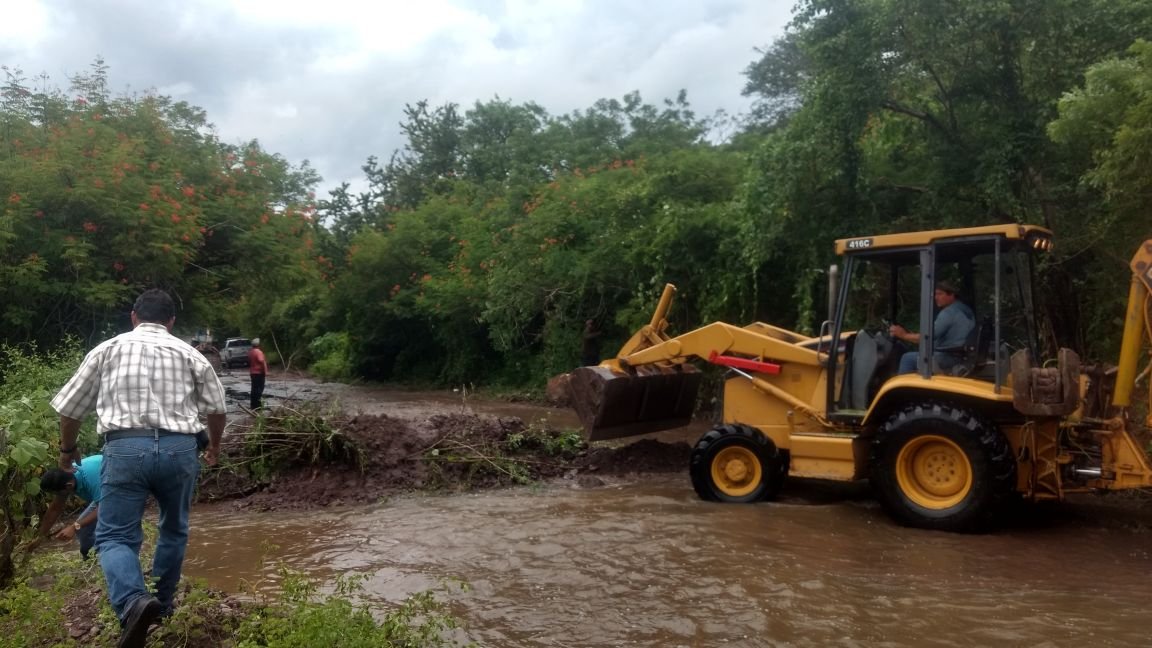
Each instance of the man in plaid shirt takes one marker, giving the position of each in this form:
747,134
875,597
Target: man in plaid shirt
148,389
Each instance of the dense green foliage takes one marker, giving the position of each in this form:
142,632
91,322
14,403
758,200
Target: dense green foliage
101,197
907,114
477,251
28,438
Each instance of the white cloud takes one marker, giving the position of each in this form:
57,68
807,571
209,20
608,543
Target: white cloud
178,90
24,24
328,80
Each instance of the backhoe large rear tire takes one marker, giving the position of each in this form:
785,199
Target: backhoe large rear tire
737,463
936,466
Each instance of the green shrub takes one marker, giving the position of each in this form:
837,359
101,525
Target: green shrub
332,356
29,438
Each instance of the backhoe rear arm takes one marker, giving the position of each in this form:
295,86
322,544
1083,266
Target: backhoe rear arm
1136,326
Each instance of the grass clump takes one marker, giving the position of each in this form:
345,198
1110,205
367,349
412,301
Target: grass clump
59,601
302,617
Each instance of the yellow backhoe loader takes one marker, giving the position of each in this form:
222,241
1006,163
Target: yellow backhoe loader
942,444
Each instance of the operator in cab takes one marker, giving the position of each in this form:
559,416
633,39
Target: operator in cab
954,321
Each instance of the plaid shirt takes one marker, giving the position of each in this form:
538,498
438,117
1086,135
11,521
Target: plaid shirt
146,378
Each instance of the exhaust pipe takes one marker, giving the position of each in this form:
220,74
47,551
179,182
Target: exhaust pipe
833,290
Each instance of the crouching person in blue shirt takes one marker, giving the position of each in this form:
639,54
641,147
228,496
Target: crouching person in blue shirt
84,484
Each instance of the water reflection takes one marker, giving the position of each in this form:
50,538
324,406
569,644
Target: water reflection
648,564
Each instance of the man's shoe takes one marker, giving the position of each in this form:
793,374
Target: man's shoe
141,614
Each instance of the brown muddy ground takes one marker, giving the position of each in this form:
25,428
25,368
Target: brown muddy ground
439,446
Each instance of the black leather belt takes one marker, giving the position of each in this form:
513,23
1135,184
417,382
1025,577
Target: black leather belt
125,433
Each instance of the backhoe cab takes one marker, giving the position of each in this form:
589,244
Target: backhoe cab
974,417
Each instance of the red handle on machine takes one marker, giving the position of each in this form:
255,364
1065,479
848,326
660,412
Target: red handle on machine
744,363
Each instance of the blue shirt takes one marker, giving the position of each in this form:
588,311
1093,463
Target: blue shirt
953,324
88,478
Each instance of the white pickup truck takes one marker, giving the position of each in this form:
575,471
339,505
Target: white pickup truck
235,352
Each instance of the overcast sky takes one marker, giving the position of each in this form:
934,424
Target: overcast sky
326,80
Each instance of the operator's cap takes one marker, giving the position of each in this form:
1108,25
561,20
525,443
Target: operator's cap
255,341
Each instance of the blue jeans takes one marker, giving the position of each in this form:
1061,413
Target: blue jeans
86,536
134,468
943,362
908,362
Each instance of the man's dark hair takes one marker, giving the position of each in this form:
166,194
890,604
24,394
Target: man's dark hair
55,480
154,306
947,287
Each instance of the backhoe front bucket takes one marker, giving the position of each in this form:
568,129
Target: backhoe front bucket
613,405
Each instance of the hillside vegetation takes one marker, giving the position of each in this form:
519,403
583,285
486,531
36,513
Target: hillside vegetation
478,250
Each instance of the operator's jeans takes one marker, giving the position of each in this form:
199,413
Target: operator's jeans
134,468
908,362
943,362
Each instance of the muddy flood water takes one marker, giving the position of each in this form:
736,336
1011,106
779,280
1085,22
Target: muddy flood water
643,562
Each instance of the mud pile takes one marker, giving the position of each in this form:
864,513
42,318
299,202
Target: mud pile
288,461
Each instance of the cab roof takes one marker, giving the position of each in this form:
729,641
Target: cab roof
920,239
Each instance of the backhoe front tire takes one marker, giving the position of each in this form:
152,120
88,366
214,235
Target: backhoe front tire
935,466
737,463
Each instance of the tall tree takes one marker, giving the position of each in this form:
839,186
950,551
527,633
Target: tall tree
103,196
922,114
